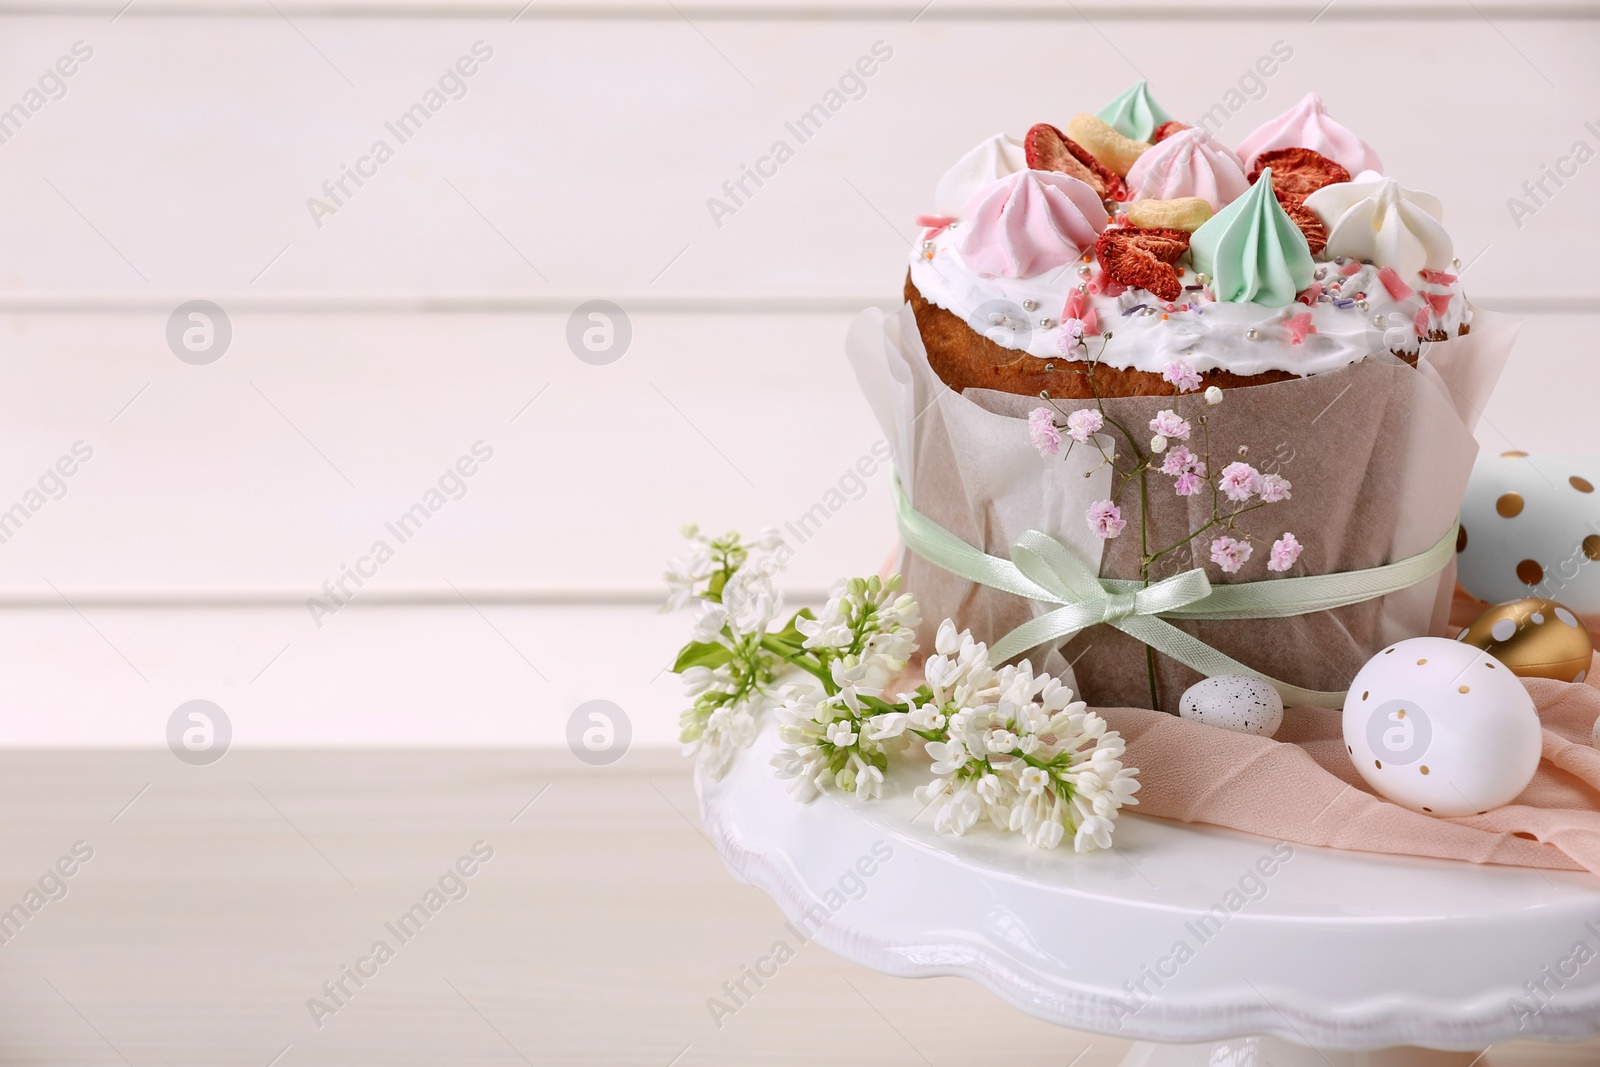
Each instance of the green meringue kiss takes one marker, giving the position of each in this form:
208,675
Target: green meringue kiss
1134,114
1253,251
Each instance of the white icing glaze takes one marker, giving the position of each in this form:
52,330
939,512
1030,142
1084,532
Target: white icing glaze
988,162
1189,163
1212,337
1374,218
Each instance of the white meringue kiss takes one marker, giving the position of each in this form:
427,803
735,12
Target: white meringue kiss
995,158
1307,125
1189,163
1378,220
1028,223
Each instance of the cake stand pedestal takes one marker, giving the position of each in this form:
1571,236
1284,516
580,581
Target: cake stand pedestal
1206,946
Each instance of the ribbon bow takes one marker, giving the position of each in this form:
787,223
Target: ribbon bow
1043,569
1065,579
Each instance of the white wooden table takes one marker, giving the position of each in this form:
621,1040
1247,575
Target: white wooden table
219,901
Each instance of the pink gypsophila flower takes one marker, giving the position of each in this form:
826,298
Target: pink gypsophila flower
1182,376
1229,553
1168,424
1042,429
1274,487
1188,484
1182,461
1084,424
1239,481
1072,331
1105,518
1285,550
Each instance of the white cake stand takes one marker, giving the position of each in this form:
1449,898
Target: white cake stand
1334,958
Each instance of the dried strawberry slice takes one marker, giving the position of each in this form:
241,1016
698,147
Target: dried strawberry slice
1165,130
1303,217
1142,257
1298,172
1048,148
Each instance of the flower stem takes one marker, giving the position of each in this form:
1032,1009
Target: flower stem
1144,574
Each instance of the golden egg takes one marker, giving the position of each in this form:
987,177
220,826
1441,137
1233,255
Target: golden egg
1536,638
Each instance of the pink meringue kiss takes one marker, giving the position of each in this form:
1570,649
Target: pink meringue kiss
1189,163
1029,222
1307,125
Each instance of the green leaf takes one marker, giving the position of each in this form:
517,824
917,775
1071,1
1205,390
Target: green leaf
791,634
701,654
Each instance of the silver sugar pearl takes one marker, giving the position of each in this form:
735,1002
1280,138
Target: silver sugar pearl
1082,287
1362,305
1380,322
1046,322
1456,263
1049,366
1252,334
927,246
1202,279
1029,305
1084,270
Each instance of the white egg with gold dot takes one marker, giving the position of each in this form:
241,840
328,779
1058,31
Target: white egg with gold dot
1441,727
1530,526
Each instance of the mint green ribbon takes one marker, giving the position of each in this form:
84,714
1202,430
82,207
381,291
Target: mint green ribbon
1043,569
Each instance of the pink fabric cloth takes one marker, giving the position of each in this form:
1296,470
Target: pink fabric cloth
1300,786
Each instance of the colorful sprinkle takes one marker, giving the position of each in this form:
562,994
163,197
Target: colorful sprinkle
1299,326
1391,281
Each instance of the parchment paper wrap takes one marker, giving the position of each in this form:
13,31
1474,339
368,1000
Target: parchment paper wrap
1378,454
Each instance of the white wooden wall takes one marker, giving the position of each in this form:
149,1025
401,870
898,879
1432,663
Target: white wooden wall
430,312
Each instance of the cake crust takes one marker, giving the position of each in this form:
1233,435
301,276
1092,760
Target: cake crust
965,359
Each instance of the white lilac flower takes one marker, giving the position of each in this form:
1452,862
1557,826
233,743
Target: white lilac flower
835,738
1016,749
863,637
1032,780
728,673
686,572
865,630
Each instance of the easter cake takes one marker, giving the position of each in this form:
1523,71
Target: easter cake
1164,409
1294,254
